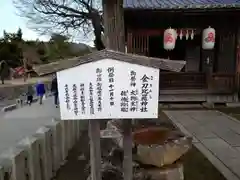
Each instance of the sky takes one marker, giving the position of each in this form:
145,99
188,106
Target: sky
10,22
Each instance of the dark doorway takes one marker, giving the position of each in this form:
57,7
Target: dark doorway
156,49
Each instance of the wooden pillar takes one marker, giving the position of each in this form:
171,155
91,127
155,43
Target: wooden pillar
114,24
115,36
129,42
127,146
207,65
237,51
119,14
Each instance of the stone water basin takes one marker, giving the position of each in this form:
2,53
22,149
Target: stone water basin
160,146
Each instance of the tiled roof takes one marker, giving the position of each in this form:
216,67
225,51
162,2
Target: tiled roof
164,64
180,4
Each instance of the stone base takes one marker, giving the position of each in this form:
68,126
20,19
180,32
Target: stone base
172,172
233,104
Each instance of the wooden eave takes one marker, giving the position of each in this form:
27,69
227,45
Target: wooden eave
164,64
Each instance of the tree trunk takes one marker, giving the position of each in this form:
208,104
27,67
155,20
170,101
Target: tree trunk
96,23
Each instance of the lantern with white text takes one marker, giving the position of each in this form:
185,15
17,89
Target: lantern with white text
169,39
208,38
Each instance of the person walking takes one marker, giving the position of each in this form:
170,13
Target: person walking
54,90
30,93
40,88
3,71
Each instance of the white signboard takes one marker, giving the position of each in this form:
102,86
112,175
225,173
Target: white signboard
108,89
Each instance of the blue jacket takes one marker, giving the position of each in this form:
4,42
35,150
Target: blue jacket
40,88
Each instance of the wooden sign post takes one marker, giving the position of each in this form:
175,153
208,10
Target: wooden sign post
95,149
117,87
127,147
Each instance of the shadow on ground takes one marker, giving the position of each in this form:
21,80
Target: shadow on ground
196,166
74,169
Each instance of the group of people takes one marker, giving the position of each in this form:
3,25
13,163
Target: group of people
41,92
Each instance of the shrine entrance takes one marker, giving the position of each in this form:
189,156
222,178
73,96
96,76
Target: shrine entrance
206,71
156,49
185,49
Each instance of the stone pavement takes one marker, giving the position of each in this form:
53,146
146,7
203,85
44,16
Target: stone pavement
215,134
17,124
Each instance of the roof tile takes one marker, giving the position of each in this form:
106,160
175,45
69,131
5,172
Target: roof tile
180,4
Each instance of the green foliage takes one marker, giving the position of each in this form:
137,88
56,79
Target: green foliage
44,59
58,47
58,38
41,51
19,35
9,48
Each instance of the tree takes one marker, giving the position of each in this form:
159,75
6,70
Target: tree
55,37
60,45
10,50
65,15
13,37
19,35
5,36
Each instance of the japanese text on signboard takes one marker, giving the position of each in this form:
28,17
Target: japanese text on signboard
110,91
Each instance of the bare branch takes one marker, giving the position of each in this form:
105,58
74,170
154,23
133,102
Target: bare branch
62,16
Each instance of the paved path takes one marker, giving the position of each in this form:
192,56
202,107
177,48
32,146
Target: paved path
215,134
23,122
17,82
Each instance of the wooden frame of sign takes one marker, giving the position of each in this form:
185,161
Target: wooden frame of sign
111,85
